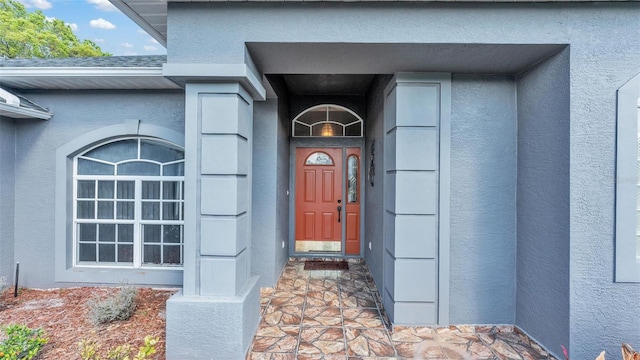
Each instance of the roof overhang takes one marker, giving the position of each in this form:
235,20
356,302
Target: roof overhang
150,15
17,112
13,106
85,78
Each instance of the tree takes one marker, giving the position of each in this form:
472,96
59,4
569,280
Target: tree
25,34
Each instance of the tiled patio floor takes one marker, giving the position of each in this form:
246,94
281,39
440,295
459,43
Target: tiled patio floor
335,315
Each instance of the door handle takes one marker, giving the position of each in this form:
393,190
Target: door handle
339,210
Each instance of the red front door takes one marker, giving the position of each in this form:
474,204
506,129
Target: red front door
320,211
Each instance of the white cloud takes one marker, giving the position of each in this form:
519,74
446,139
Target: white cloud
140,31
73,26
98,40
39,4
127,45
103,5
153,41
150,48
49,18
101,23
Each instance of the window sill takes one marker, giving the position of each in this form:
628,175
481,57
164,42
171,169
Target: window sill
118,274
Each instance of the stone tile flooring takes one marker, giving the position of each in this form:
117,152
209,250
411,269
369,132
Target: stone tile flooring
338,315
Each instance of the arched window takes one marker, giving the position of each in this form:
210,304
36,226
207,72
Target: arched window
128,205
319,158
327,121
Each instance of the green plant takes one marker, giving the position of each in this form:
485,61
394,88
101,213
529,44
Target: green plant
118,307
89,350
148,349
21,342
119,353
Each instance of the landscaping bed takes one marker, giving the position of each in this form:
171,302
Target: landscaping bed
64,315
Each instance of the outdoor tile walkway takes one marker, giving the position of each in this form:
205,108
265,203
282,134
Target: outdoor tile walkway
338,315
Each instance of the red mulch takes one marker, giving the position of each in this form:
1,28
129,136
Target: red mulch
63,314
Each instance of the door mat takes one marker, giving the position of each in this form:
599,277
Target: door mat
326,265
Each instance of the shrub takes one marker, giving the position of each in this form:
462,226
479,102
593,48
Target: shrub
89,350
21,342
118,307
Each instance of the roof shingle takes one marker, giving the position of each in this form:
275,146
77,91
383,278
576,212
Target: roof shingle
103,61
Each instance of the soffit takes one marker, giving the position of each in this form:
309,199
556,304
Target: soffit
84,78
328,84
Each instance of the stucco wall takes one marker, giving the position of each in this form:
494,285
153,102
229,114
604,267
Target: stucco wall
483,199
542,308
603,313
267,258
282,184
604,50
374,196
75,113
7,177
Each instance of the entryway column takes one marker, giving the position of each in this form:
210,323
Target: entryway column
217,312
416,106
218,151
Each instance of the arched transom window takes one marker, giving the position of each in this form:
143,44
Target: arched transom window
128,204
327,120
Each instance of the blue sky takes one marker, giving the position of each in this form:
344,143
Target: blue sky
101,22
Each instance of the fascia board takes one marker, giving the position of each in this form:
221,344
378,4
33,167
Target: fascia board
138,19
23,113
6,72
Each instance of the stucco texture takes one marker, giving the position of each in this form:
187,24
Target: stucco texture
7,194
542,277
75,113
374,196
270,202
603,47
483,193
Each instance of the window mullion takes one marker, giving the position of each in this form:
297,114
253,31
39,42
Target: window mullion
137,228
74,251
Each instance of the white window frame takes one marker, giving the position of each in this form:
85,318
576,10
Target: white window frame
358,121
137,222
627,206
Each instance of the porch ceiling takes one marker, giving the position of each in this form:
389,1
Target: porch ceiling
343,58
324,84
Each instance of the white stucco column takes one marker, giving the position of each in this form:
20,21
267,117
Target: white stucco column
217,312
416,147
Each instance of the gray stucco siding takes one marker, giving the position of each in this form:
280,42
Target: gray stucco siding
427,23
7,196
282,185
374,196
483,195
542,275
603,313
264,240
549,131
483,240
75,114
